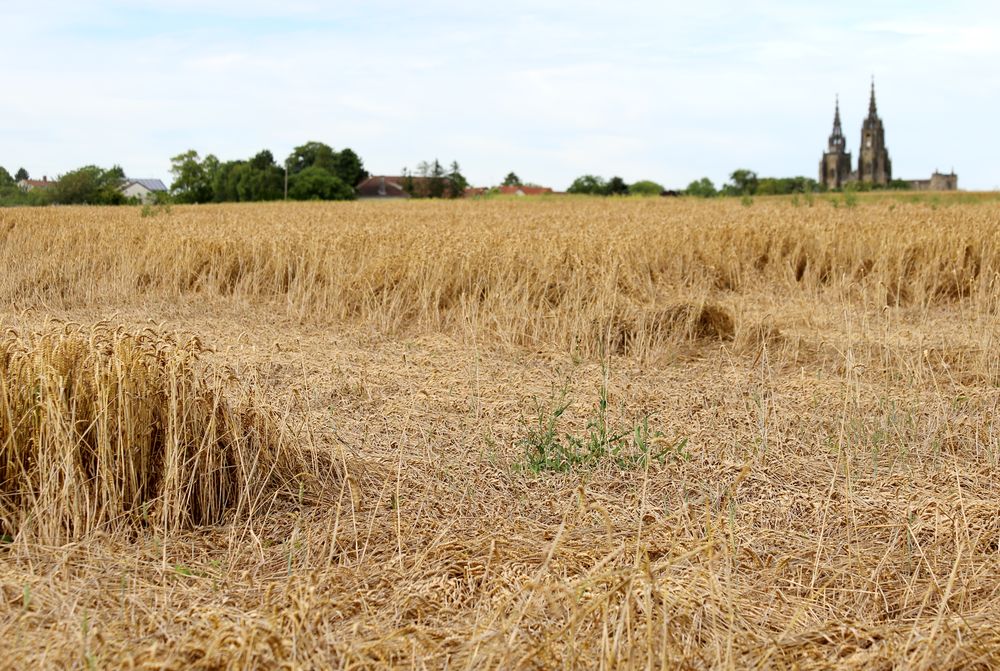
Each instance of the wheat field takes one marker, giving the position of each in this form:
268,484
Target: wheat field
503,434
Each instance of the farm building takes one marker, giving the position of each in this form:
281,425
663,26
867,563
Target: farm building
31,184
145,190
382,186
402,186
524,190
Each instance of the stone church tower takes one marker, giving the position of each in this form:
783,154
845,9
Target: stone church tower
874,165
835,168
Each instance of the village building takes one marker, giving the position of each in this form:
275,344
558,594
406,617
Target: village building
938,182
524,190
383,187
874,165
144,190
387,187
32,184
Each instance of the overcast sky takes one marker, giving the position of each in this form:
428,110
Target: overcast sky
669,91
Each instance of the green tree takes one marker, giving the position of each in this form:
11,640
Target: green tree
345,164
262,160
349,168
589,184
742,182
315,183
77,187
431,180
437,184
192,181
409,185
262,179
21,174
645,188
616,187
226,180
257,179
210,165
702,188
90,185
5,179
312,154
803,185
782,186
456,181
511,180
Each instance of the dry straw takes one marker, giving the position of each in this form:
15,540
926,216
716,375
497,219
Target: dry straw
830,500
562,273
105,429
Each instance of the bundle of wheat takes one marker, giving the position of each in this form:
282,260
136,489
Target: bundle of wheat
102,428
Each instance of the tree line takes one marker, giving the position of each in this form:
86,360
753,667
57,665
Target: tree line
431,180
89,185
741,182
745,182
595,185
313,171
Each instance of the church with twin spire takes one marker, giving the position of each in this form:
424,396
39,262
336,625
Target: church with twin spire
874,165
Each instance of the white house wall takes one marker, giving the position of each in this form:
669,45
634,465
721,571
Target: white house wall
138,191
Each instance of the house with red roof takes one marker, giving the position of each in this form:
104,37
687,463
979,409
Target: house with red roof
31,184
524,190
383,186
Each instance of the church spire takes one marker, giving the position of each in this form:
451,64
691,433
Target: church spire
874,165
872,111
837,142
835,167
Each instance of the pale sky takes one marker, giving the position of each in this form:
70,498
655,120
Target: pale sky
667,91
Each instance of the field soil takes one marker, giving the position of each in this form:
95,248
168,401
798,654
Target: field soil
543,434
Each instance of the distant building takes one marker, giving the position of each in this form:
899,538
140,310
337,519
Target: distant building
835,168
874,165
31,184
145,190
938,182
383,186
524,190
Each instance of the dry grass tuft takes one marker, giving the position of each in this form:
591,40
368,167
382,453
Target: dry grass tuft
634,330
105,429
709,321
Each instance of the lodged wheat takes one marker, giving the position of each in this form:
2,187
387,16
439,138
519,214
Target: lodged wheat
103,428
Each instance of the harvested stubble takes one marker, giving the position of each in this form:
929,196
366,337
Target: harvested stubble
101,429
